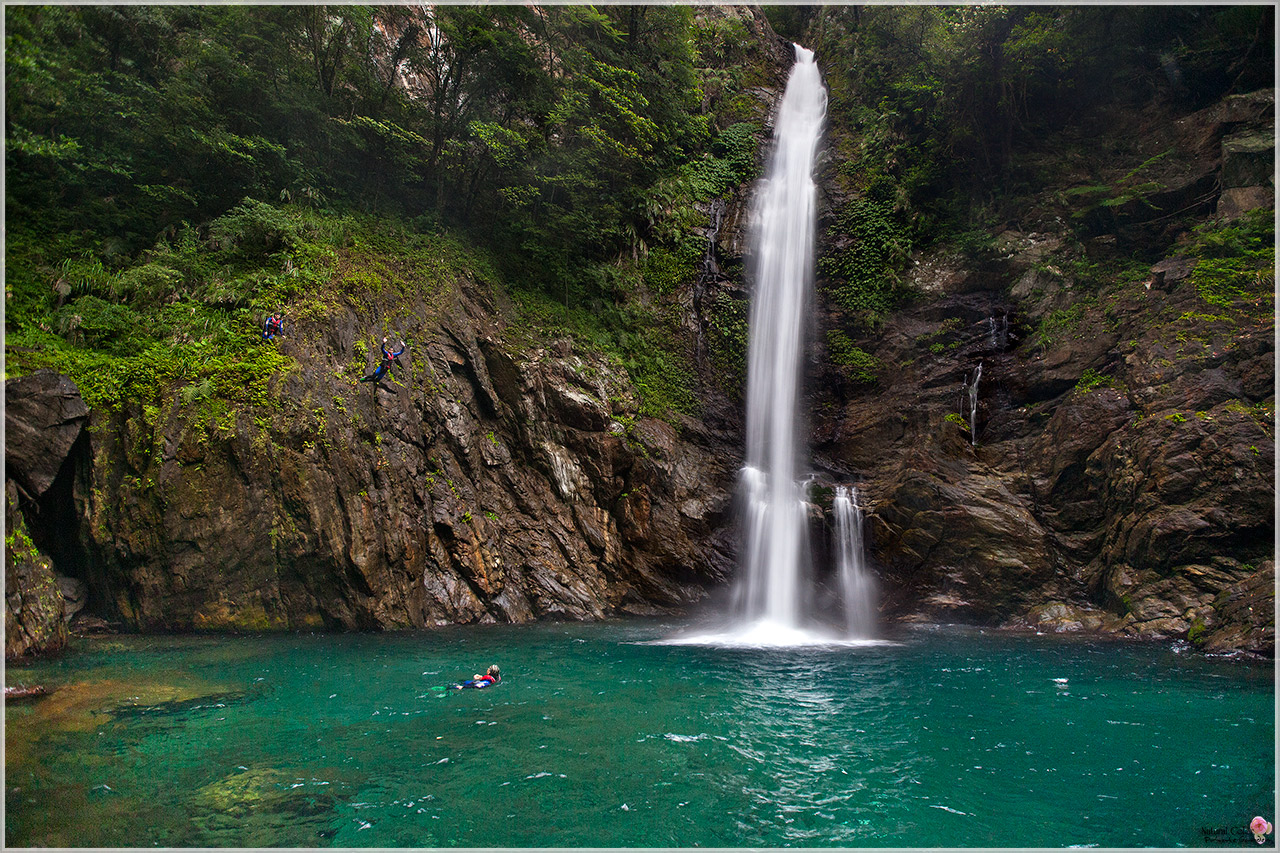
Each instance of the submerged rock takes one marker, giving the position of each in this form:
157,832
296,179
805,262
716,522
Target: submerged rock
260,806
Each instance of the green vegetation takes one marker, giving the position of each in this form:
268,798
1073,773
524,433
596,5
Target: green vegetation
645,342
1091,380
1236,261
865,278
947,328
174,173
540,131
1057,324
947,101
187,313
1263,414
1196,633
728,338
18,545
1129,188
859,365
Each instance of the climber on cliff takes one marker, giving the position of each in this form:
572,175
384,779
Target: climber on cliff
385,364
273,326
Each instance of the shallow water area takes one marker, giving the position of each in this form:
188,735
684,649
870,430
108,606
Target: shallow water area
609,735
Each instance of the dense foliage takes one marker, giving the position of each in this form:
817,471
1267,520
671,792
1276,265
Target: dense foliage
174,171
543,127
935,109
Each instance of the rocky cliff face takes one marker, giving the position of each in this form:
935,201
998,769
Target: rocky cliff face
1064,438
44,421
484,479
495,475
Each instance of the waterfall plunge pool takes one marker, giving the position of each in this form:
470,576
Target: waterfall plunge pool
605,735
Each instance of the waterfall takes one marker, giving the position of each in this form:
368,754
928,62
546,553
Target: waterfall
771,587
774,594
708,272
857,586
972,393
999,332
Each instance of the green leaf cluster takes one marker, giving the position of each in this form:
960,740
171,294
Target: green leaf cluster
728,333
860,365
1058,323
1091,380
1236,260
865,277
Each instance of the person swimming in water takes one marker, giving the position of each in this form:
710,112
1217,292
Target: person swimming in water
492,675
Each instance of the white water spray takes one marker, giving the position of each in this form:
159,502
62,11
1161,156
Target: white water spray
857,586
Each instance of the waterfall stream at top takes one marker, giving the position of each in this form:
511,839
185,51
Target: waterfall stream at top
774,597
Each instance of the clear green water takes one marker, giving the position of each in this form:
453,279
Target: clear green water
948,738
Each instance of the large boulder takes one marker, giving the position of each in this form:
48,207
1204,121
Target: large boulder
44,415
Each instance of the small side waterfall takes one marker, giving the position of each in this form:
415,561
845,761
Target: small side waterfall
857,586
971,391
999,332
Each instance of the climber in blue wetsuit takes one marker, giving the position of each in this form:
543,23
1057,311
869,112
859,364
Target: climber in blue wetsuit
491,676
385,364
273,326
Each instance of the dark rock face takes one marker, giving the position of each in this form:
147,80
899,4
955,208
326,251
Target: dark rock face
44,415
1122,474
1141,500
33,608
1244,614
481,481
44,419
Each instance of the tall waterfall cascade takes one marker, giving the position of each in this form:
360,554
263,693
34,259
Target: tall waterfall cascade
771,588
775,596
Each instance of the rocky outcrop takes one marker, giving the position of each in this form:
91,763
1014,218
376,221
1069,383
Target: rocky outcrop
33,610
1243,615
1121,474
45,418
484,480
